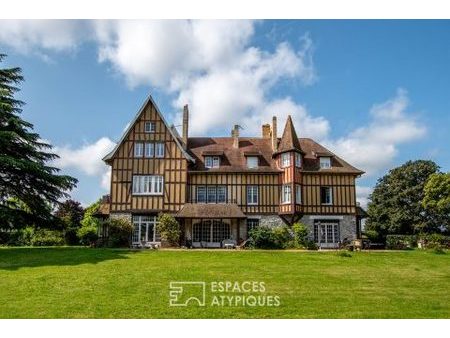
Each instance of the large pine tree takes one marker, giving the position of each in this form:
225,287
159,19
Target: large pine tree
29,186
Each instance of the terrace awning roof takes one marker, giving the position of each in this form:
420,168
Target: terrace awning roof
204,210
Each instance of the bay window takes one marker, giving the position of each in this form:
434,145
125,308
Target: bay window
285,160
286,194
298,194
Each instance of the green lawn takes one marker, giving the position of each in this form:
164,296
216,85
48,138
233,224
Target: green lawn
104,283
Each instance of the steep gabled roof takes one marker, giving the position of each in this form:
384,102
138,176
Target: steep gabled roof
289,140
173,133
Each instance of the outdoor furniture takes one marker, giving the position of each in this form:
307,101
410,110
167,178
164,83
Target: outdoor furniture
229,243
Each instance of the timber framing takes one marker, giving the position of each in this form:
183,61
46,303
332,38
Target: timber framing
186,179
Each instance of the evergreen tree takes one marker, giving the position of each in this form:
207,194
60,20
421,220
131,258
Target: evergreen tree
396,202
25,175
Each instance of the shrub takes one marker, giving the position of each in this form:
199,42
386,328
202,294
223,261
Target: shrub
44,237
87,234
120,230
169,229
401,242
431,241
373,236
270,238
300,232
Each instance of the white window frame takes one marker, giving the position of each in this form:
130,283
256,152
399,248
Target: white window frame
330,195
252,162
150,127
201,189
159,149
298,160
148,185
298,194
211,194
325,162
138,149
286,194
285,160
149,149
252,195
212,162
142,225
221,191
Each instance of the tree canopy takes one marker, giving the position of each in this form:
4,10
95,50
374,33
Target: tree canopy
396,202
437,195
25,173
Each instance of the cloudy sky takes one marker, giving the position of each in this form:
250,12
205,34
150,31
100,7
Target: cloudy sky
375,92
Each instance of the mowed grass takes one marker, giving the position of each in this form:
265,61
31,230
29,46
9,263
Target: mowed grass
108,283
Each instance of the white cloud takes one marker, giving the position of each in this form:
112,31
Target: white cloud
362,195
87,159
41,36
211,65
372,148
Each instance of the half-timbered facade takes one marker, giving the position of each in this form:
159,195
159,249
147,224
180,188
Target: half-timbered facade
219,188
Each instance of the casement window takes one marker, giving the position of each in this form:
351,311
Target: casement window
149,150
252,223
144,229
211,191
326,231
286,194
325,162
285,160
298,160
138,149
212,194
211,231
221,194
150,127
201,194
252,195
252,162
298,194
212,161
326,195
159,149
148,185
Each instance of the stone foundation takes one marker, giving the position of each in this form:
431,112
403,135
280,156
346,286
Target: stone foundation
347,224
121,215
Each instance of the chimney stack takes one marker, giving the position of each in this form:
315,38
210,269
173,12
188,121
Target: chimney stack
235,135
185,125
266,130
274,134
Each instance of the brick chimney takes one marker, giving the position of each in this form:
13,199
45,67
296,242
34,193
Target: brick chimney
235,136
266,130
185,125
274,134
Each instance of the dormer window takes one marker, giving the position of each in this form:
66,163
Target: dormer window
298,160
212,161
325,162
252,162
285,160
150,127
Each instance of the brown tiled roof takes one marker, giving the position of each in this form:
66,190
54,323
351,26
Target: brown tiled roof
203,210
289,140
103,209
234,160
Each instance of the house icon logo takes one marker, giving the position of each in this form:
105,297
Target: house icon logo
187,293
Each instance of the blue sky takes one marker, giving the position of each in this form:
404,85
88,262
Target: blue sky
375,92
